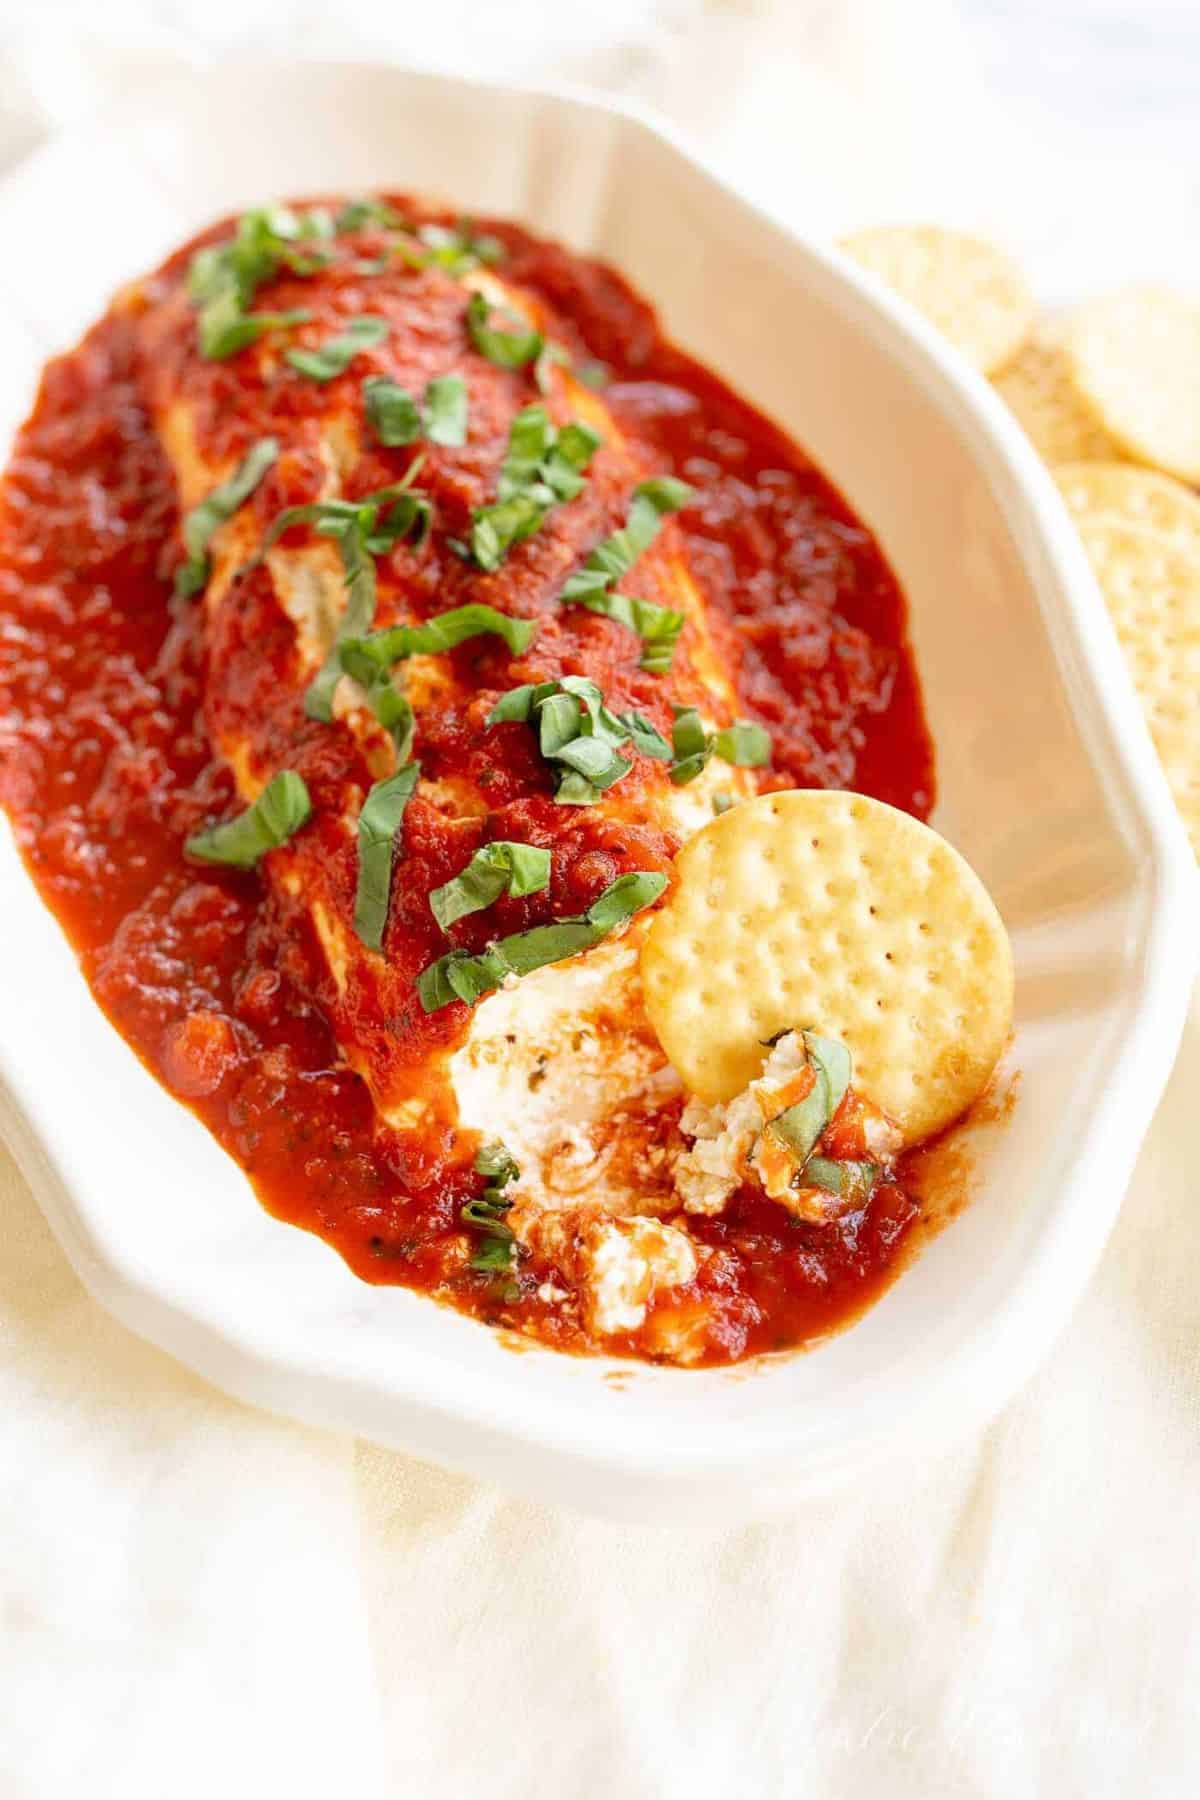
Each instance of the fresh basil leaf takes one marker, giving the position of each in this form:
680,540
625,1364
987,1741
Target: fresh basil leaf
595,760
800,1126
576,732
460,248
494,1255
519,702
359,215
225,328
744,744
459,976
495,529
542,467
363,657
394,712
487,1216
721,803
507,349
658,626
616,555
646,737
392,413
833,1060
497,1162
627,895
216,508
378,823
446,410
356,618
495,869
848,1180
337,353
281,809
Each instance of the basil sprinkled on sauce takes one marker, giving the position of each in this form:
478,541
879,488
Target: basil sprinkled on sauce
337,353
281,809
579,734
225,328
458,248
743,744
459,976
224,278
616,555
396,419
486,1214
551,353
364,529
496,868
657,626
591,586
368,210
543,467
215,509
378,823
364,657
507,349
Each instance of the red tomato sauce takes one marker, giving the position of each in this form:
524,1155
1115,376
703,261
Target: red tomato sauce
217,982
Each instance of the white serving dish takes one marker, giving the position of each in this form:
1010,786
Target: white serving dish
1048,784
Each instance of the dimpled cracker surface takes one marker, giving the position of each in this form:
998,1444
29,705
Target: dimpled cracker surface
1135,360
1036,387
1152,590
971,291
836,912
1135,496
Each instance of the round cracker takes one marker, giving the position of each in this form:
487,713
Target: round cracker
1135,361
971,291
1134,495
1037,388
832,911
1152,590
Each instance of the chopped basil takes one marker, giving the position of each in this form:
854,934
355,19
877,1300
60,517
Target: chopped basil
743,744
364,657
616,555
225,328
594,375
392,413
224,278
281,808
496,868
591,585
446,410
358,215
378,823
337,353
801,1126
218,507
497,1163
721,803
458,248
507,349
579,733
396,419
848,1180
543,466
459,976
657,626
364,529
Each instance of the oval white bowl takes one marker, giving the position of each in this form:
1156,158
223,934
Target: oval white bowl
1047,779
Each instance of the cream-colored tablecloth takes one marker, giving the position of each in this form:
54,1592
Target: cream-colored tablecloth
198,1600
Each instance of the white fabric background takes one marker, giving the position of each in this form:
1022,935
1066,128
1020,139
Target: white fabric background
196,1599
